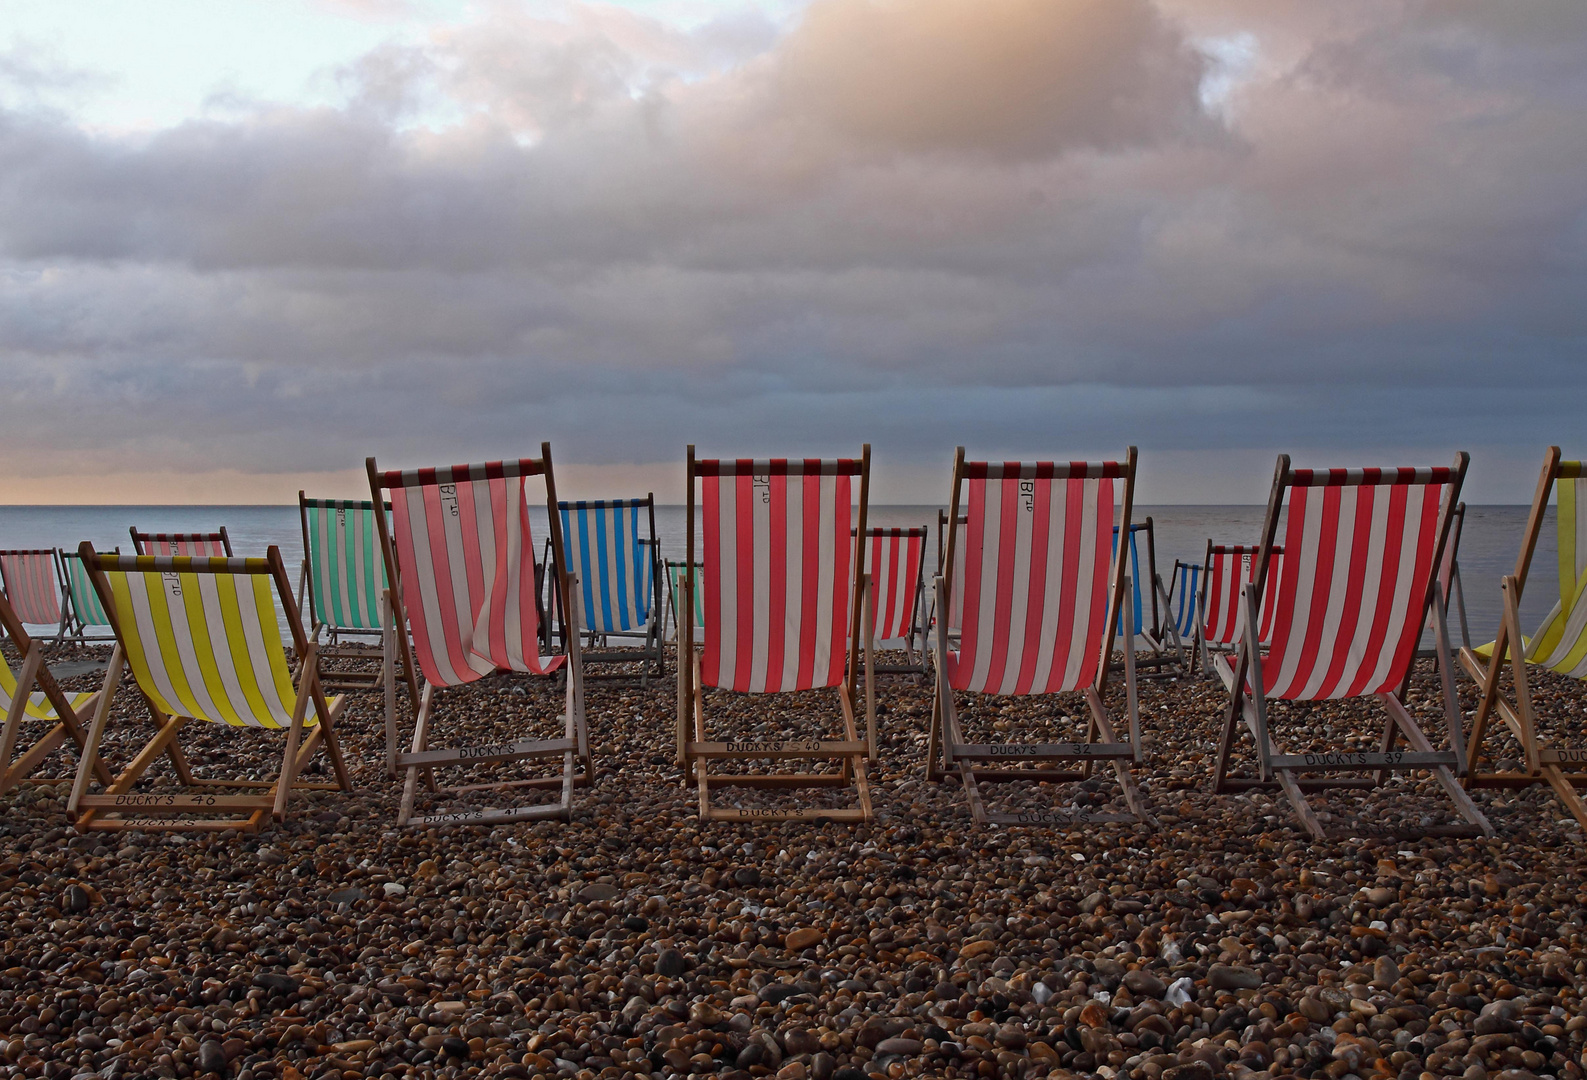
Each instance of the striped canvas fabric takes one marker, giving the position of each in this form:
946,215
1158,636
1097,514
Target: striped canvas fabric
675,575
31,585
1038,549
345,566
603,546
893,561
38,706
1562,643
1229,569
1184,591
468,576
1358,558
204,545
205,645
85,601
778,557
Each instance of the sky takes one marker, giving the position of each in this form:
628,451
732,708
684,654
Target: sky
245,244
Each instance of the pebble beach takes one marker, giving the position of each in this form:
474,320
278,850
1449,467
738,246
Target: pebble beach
636,941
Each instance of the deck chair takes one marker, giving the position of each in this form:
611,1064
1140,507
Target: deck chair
204,644
676,573
1184,608
460,537
210,545
1361,551
1559,644
782,606
1043,588
896,562
611,547
344,578
1165,651
35,585
83,607
1226,571
22,703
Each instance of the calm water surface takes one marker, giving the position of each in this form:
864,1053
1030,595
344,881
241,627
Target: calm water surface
1488,546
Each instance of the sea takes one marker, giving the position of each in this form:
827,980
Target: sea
1488,547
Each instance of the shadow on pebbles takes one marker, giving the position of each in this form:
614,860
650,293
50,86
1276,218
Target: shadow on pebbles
637,942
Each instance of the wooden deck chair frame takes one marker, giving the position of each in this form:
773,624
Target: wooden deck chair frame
1561,768
949,754
1166,651
62,589
942,552
118,808
422,759
1454,594
333,651
1247,690
140,541
68,725
915,651
78,597
596,648
696,752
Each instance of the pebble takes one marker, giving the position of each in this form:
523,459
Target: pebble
638,940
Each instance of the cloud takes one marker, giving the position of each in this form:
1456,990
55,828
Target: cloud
1035,226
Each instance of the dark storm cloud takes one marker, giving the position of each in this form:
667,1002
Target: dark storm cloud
1021,224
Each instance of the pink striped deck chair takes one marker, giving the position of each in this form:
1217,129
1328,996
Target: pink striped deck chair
1361,548
1449,587
783,610
1043,594
34,582
896,562
204,545
460,550
1227,570
956,602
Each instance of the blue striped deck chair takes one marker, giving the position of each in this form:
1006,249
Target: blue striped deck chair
1167,654
82,603
611,547
1184,604
344,579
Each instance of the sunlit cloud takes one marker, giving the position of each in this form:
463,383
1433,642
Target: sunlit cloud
1034,226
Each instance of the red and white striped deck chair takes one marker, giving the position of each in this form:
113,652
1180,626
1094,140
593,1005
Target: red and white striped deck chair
896,562
34,582
1043,594
782,613
1361,550
460,549
204,545
1227,570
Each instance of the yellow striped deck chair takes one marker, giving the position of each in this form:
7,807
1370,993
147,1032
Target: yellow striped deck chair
22,703
201,637
1560,644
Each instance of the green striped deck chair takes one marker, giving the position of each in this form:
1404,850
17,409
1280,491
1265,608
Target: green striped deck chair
201,638
345,579
676,571
82,603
